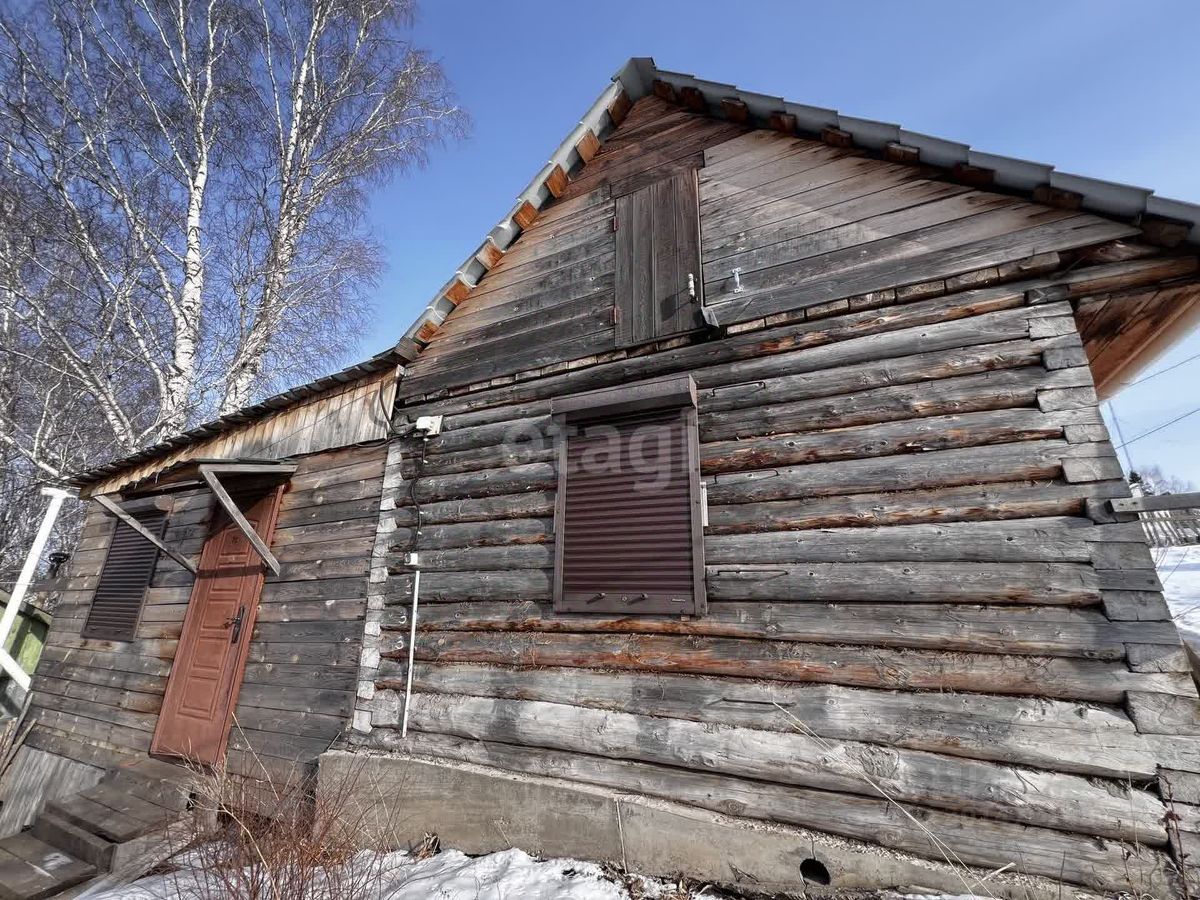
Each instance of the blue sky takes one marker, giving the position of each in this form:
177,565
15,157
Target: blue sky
1100,88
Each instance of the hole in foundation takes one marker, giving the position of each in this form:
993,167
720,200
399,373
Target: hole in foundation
814,870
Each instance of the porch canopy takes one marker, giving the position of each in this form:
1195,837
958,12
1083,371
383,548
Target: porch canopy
212,473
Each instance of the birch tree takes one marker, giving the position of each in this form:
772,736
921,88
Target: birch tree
349,102
185,185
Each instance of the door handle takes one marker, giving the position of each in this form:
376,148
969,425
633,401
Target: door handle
236,622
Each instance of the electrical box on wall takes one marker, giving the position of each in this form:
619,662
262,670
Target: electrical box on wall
428,425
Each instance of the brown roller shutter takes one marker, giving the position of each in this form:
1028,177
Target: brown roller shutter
128,568
627,532
657,249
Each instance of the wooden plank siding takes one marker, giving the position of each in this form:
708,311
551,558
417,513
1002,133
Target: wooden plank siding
297,695
916,595
342,416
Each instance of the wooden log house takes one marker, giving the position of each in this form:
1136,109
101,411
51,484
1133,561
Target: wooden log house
752,464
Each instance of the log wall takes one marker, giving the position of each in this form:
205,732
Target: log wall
97,702
925,629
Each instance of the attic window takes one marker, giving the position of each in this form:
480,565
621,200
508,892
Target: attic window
659,282
628,531
128,568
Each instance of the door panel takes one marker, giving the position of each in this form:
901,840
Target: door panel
205,679
658,267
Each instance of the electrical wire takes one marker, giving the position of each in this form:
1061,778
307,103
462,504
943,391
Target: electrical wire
1160,427
1182,362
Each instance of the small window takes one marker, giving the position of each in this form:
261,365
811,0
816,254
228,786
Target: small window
628,522
128,568
659,282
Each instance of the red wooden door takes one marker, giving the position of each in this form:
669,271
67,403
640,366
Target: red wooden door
203,687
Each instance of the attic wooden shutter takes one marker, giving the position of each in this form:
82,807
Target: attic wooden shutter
128,568
628,531
658,248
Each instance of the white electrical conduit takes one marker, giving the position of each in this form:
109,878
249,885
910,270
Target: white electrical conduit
412,647
9,665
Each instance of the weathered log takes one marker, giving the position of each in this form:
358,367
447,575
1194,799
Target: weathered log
1065,802
1069,679
1022,461
994,501
751,350
1048,583
1045,734
985,629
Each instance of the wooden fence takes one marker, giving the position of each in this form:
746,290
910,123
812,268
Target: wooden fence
1170,520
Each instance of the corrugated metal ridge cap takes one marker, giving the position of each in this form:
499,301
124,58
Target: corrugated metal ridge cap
637,78
259,410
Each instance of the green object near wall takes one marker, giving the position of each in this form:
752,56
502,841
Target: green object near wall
28,637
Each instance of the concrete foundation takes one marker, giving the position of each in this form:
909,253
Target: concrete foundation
481,810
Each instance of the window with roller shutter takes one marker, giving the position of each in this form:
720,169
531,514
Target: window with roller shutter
628,514
121,591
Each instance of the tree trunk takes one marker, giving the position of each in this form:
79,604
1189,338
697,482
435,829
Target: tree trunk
182,379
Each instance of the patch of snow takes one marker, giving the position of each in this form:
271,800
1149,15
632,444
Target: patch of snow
450,875
1179,572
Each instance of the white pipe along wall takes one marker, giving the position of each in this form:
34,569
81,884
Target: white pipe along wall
57,496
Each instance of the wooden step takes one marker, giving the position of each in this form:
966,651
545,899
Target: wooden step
89,847
97,818
121,800
31,869
170,795
155,769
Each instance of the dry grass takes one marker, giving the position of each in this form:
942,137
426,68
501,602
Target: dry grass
254,840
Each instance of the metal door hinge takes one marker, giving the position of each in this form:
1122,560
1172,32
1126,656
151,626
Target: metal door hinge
691,285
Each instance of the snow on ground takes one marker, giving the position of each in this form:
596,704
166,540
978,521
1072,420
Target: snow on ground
451,875
1179,571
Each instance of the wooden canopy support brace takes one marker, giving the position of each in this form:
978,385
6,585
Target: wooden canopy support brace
209,473
114,510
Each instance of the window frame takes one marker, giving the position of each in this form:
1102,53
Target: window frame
672,392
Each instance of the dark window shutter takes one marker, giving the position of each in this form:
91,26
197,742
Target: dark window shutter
658,248
628,535
128,568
